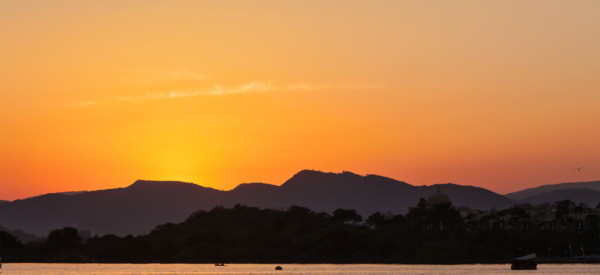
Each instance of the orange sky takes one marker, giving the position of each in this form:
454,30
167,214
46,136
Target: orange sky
95,95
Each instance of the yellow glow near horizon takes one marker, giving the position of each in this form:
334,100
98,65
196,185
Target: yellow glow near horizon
96,95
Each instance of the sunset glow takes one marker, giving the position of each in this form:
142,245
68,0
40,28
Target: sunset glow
98,94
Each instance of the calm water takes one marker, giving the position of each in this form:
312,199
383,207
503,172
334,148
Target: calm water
153,269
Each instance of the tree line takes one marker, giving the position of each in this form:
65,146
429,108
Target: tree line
242,234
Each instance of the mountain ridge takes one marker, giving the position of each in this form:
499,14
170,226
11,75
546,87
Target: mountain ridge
588,196
139,207
528,192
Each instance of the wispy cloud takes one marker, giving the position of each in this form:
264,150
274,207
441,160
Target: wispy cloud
215,90
218,90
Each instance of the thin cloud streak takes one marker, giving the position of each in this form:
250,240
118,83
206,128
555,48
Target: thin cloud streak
215,91
219,90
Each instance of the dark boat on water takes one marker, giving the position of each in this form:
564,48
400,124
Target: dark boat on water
526,262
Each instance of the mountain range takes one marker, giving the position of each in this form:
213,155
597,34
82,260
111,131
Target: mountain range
532,192
138,208
588,196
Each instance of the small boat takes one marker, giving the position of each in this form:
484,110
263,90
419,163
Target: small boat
278,267
526,262
220,264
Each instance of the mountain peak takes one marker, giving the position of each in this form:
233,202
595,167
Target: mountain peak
160,184
254,186
344,179
520,195
314,176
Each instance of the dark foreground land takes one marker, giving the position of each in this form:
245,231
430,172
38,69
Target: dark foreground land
432,235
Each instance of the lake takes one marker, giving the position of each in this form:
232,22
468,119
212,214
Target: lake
155,269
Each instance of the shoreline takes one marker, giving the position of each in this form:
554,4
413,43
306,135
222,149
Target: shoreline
539,261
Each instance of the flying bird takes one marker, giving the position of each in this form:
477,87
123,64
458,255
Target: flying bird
579,168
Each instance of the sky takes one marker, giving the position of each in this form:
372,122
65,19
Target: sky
502,95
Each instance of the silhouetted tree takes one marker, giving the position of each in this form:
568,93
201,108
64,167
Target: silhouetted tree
376,219
562,208
517,215
346,216
417,216
427,234
67,237
9,246
8,241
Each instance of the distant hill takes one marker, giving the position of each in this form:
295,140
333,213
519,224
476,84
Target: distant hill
138,208
59,193
22,236
588,196
368,194
132,210
520,195
1,201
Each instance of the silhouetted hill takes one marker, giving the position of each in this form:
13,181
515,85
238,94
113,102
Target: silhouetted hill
588,196
1,201
530,192
255,187
22,236
329,191
132,210
141,206
59,193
